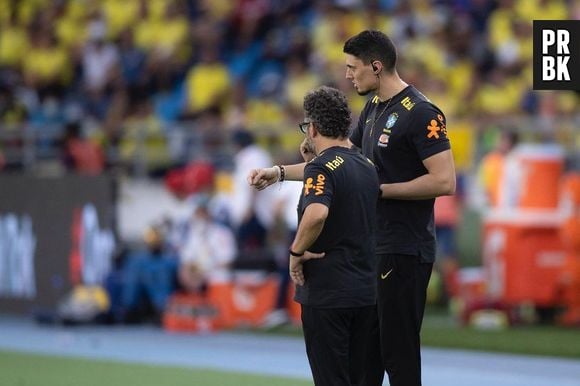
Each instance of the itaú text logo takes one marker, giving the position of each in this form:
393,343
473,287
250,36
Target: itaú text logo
92,248
17,247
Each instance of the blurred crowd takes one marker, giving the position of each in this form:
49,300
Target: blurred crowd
225,226
163,81
187,90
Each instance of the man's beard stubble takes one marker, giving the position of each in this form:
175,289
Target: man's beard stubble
310,146
368,90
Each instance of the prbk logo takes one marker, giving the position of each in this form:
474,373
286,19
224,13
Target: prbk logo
556,54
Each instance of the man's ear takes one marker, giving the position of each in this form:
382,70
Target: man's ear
314,130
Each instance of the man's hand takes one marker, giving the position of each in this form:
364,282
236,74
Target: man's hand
297,266
262,178
306,151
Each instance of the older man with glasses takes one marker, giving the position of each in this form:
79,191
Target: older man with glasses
332,257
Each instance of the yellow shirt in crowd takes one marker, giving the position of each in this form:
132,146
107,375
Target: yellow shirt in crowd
205,83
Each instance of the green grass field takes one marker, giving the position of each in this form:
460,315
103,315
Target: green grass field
18,369
440,330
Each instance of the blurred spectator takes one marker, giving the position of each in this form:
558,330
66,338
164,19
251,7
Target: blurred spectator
139,291
189,183
491,169
13,41
479,11
81,155
120,15
247,60
168,45
447,215
248,21
264,110
132,63
46,66
143,144
298,82
12,111
208,250
251,211
164,82
171,35
498,85
197,177
72,24
208,83
286,224
142,86
542,9
100,67
236,115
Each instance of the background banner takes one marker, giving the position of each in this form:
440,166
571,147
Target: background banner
54,233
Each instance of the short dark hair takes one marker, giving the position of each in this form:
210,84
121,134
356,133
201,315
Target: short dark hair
372,45
328,109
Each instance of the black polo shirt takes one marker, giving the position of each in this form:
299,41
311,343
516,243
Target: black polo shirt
347,183
397,136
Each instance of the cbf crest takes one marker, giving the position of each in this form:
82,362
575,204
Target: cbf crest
391,120
384,138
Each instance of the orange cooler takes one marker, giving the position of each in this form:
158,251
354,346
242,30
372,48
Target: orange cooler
532,177
245,301
523,257
253,300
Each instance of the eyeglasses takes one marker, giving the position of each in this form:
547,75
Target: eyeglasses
304,126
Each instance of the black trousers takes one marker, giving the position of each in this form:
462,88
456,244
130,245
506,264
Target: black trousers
402,289
337,340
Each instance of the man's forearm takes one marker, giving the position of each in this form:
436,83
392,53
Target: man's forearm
308,232
294,172
421,188
438,181
310,227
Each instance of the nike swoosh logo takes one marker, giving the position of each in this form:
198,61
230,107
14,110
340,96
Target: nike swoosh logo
368,120
384,275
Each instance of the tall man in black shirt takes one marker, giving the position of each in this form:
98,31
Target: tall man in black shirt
405,135
337,219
